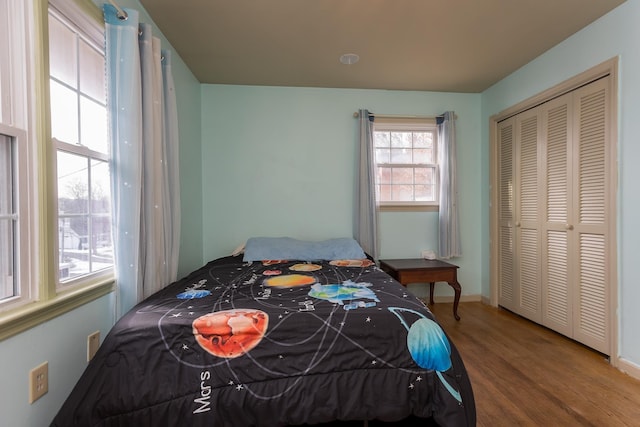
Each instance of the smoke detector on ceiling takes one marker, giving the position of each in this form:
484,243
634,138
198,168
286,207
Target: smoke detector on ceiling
349,58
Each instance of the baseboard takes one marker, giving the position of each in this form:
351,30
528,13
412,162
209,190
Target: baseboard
463,298
628,368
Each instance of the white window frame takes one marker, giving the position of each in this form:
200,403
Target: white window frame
25,117
410,125
22,193
15,86
92,34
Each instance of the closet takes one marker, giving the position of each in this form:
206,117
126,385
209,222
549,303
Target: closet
555,203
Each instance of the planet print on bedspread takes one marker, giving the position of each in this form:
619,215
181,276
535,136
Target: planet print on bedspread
230,333
338,293
289,281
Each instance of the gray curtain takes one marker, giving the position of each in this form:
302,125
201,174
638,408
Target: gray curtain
449,245
366,212
144,154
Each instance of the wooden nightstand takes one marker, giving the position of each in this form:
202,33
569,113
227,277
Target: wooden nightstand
420,270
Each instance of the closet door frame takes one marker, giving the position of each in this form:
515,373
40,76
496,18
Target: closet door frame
609,68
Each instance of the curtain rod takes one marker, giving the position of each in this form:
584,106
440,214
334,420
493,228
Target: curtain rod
402,116
120,13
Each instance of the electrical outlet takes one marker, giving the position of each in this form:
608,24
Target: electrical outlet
93,342
38,382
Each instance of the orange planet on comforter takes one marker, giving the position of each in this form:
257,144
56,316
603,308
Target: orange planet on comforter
230,333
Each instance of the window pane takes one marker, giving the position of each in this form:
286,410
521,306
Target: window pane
8,281
384,175
92,69
423,156
382,139
93,124
402,193
424,193
425,175
402,176
100,187
383,155
64,113
385,193
62,52
401,139
400,155
7,250
73,249
422,139
425,188
85,245
84,228
101,243
73,185
6,176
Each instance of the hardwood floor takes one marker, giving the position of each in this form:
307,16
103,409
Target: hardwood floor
526,375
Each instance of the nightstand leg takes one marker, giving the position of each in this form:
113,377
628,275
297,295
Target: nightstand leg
456,299
431,285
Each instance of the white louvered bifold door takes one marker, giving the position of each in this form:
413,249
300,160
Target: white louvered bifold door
527,218
557,206
506,287
592,182
556,176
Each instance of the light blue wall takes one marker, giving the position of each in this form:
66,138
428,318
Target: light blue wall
280,161
63,341
188,103
616,34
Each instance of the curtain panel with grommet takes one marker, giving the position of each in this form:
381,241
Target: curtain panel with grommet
365,209
449,242
144,153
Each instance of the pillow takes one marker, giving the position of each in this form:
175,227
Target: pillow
261,248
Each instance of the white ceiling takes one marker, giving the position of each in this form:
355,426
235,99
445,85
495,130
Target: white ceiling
451,46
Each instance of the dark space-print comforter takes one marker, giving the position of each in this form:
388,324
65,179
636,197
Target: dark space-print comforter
274,343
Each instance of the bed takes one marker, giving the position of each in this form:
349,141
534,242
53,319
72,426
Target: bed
303,339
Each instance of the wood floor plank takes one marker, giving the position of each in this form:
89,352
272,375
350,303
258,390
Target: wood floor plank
523,374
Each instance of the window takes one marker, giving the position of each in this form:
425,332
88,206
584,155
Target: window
8,219
55,227
406,163
79,132
16,172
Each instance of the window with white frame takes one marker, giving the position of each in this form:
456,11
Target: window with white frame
16,171
8,219
406,162
55,195
79,135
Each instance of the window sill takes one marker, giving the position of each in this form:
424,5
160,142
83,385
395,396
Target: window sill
408,208
25,317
